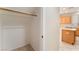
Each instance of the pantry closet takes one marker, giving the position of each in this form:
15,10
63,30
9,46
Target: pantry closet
18,29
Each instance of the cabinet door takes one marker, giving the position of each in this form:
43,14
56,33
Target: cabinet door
77,32
65,19
68,36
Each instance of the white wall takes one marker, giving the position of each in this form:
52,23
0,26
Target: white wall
75,20
36,30
51,21
0,35
15,30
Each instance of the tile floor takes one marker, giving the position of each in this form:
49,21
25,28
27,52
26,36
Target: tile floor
25,48
67,47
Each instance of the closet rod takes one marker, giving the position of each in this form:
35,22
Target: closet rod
17,12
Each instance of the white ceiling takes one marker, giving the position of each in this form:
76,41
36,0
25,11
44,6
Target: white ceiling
23,9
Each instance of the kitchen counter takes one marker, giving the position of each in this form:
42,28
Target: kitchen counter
72,29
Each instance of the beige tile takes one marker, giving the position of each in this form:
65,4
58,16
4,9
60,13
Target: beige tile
25,48
68,47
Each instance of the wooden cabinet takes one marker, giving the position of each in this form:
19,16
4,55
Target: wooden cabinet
65,19
68,36
77,32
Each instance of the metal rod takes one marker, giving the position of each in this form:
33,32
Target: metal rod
18,12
